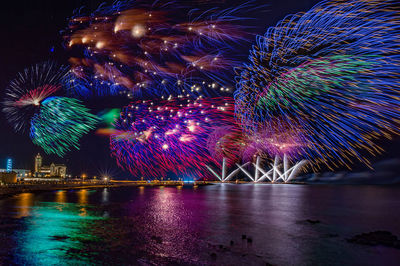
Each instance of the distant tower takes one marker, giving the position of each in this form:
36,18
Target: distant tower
53,171
38,163
9,165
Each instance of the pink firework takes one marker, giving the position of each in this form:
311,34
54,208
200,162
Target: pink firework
36,96
154,139
271,143
226,142
29,89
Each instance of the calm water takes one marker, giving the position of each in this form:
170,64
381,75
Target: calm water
153,226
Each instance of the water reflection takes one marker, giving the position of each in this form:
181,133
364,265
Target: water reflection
83,196
52,230
183,226
282,207
141,190
23,204
104,195
61,196
165,207
175,219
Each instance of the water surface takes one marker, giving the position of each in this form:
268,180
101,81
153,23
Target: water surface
197,226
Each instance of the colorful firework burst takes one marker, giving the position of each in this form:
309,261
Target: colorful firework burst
226,142
152,139
26,92
325,82
156,49
60,124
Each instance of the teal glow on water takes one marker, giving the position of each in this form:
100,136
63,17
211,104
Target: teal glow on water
51,229
198,226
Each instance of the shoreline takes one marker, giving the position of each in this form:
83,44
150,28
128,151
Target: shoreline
14,189
11,190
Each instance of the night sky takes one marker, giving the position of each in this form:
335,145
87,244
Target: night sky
30,32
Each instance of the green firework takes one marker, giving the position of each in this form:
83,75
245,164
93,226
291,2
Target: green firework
60,124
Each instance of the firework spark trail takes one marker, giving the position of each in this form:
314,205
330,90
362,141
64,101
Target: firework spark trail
26,92
226,142
60,124
158,49
153,139
328,79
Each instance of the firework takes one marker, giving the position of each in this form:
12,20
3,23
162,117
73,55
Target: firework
324,83
158,49
153,139
60,124
276,173
107,118
26,92
226,142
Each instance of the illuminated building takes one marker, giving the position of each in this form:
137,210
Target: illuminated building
38,163
20,173
53,170
9,165
8,178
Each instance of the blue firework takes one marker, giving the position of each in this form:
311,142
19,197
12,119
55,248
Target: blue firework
327,79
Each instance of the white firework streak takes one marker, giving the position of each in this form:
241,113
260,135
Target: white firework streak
223,177
274,174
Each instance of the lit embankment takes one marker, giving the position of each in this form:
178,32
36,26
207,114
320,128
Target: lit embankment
21,187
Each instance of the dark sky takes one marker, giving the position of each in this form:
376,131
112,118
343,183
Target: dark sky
31,27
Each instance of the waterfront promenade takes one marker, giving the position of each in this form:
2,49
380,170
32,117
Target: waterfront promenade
11,189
